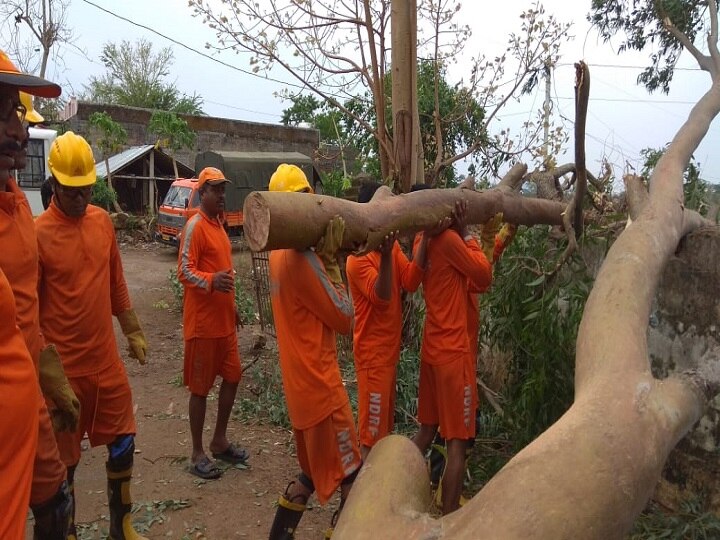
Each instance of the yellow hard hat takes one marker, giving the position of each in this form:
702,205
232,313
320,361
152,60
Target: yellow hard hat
289,178
31,116
71,161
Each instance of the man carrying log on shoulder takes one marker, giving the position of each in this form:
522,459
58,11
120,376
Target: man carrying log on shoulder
456,264
376,281
494,238
310,304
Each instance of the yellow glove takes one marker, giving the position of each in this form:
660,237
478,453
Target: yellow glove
55,386
503,239
328,245
487,238
506,234
137,344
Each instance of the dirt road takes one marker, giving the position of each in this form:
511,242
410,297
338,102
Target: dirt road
176,504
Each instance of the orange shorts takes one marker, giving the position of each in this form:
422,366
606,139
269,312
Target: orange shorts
445,398
328,452
106,411
472,366
376,403
206,358
48,470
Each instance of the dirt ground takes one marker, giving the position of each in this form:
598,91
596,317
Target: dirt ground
175,504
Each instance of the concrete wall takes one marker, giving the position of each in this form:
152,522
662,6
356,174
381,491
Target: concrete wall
212,133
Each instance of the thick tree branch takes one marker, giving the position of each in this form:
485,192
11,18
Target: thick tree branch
702,60
582,95
271,218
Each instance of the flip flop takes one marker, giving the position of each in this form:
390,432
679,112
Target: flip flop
205,469
232,454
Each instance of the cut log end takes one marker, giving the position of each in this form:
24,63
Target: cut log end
256,218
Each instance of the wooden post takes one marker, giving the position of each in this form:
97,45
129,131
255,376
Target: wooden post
151,184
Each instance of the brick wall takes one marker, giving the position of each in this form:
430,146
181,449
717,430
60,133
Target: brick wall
212,133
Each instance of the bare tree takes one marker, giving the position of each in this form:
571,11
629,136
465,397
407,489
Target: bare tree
47,21
339,49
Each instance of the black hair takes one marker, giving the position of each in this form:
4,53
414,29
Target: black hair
419,187
366,191
46,193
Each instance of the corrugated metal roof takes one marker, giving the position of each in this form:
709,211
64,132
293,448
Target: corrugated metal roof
118,161
264,157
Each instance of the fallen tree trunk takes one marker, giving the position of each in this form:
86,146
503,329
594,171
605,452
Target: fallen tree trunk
297,220
592,472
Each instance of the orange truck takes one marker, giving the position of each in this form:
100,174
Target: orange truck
248,171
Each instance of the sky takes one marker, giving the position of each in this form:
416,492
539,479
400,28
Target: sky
623,117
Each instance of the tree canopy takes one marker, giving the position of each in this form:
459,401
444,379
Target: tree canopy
669,26
461,119
136,77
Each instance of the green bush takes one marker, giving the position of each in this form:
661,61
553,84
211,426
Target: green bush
244,302
535,317
692,522
406,386
103,195
268,402
335,183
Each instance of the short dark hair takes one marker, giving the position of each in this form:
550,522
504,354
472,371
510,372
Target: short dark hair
46,192
366,191
419,187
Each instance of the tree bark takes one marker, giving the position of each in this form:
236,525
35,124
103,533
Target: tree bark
406,121
272,219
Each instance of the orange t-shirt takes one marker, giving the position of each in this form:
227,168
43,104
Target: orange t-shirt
81,287
205,249
473,324
19,261
308,309
454,265
19,419
378,322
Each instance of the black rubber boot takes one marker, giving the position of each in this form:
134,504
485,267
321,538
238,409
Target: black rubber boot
438,457
287,517
71,532
120,504
52,518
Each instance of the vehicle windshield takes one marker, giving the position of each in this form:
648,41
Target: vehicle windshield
176,196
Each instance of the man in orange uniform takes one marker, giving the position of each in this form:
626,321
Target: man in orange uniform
81,287
455,262
310,304
50,499
376,281
493,243
19,421
209,323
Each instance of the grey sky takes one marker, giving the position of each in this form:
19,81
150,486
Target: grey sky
623,118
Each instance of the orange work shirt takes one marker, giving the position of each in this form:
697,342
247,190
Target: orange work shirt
454,265
19,262
81,287
205,249
473,324
473,313
19,419
308,309
378,322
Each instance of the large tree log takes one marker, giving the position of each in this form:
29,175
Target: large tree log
298,220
